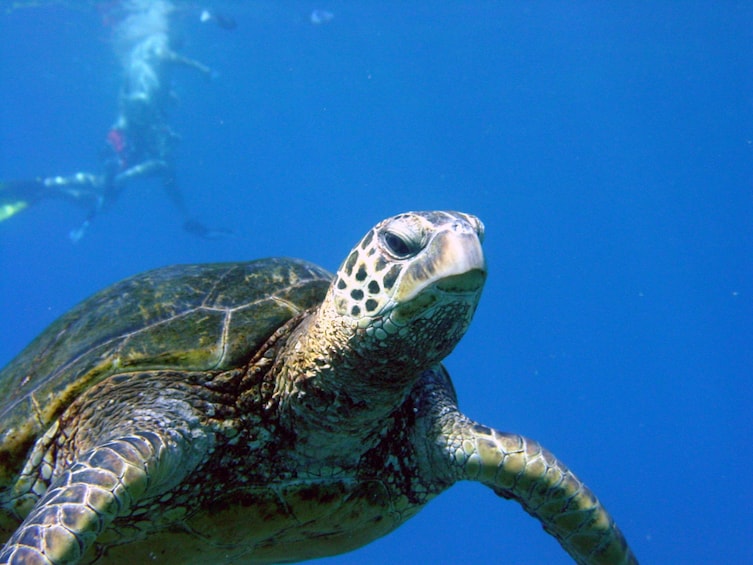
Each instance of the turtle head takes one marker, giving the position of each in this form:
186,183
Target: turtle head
411,286
399,304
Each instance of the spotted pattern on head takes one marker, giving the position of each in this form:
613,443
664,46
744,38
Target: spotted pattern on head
367,283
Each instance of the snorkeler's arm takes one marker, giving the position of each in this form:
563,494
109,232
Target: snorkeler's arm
178,59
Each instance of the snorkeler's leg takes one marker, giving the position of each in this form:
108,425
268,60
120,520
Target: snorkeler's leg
191,225
83,189
17,195
172,189
195,227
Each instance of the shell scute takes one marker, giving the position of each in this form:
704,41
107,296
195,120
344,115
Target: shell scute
192,317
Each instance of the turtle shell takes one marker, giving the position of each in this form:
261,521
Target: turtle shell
191,317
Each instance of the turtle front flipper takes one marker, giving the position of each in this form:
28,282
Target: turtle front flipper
521,469
102,484
516,468
126,442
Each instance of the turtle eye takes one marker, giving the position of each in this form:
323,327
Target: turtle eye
396,244
401,245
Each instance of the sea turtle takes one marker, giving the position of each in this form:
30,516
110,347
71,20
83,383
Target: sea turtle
266,412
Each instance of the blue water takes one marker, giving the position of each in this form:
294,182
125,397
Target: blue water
608,147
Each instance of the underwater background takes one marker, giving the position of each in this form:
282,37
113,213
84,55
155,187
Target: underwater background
608,148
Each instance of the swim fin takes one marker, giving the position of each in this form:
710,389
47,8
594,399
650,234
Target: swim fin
17,195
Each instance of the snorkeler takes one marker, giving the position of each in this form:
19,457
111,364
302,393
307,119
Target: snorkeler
141,142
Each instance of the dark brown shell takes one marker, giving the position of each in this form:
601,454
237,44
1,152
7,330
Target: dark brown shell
192,317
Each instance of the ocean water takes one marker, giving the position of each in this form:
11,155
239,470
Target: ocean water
608,147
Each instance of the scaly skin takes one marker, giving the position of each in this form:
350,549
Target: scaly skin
241,414
83,501
104,457
519,468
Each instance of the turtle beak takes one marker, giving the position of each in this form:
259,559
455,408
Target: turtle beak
452,262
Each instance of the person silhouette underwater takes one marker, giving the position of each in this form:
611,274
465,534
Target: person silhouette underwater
140,143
